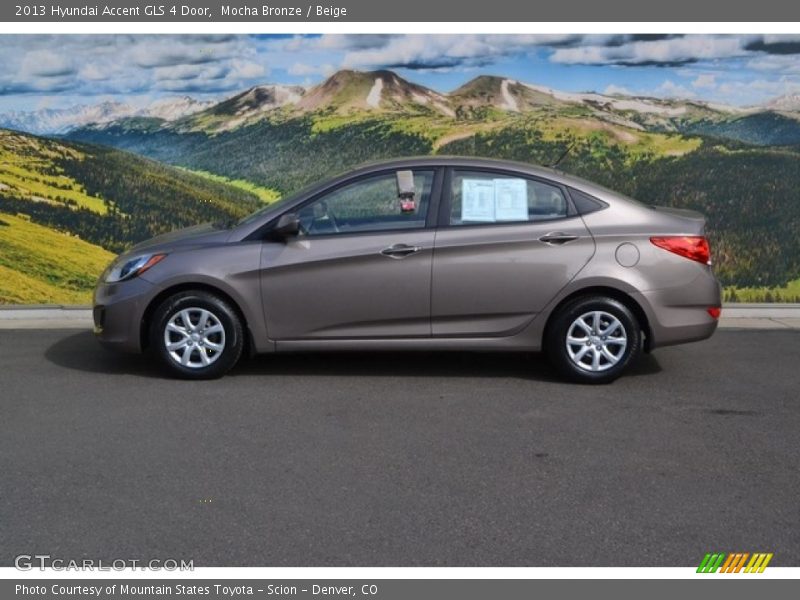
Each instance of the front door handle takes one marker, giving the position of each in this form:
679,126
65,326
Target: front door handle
557,238
400,250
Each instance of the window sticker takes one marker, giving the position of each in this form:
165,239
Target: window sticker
490,200
477,200
510,199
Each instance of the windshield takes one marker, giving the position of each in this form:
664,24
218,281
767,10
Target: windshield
267,207
272,205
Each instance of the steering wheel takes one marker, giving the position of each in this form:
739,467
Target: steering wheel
318,219
322,219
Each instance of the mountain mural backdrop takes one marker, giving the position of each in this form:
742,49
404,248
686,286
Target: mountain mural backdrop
99,184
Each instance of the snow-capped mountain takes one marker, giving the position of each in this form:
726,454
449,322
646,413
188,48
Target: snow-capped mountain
62,120
371,90
260,99
170,109
787,103
249,105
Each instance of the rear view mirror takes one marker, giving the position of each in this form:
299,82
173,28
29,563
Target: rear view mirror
287,225
405,184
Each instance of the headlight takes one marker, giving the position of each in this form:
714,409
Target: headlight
128,268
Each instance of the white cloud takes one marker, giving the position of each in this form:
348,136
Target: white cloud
679,50
612,90
443,51
705,81
129,64
757,90
46,63
780,38
190,72
337,42
162,51
670,89
247,69
776,63
305,70
92,72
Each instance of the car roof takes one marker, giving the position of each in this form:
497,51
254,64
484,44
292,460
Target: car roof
477,162
455,161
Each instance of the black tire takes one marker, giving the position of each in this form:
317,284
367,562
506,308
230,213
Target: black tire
230,338
565,357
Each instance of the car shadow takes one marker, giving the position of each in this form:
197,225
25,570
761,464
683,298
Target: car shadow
81,352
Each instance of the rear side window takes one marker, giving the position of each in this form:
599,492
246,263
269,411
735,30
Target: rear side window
478,197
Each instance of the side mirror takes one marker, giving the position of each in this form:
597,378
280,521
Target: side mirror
287,226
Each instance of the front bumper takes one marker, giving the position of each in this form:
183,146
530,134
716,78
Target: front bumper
118,311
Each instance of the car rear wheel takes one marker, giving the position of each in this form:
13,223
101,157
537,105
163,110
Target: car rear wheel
593,339
196,335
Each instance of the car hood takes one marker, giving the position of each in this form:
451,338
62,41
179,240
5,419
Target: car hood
199,235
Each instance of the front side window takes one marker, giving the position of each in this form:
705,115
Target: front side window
478,197
370,204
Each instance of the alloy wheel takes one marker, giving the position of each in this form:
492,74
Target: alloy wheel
596,341
194,337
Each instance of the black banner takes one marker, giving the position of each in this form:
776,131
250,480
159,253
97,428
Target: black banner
394,589
261,11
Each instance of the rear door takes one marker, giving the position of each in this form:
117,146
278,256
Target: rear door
505,246
360,269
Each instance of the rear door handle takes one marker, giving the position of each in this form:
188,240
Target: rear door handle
400,250
557,238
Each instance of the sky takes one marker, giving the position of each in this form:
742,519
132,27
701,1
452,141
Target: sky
59,71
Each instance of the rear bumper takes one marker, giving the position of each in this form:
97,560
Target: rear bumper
680,315
118,311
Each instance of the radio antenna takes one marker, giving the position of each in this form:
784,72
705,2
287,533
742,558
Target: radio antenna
563,156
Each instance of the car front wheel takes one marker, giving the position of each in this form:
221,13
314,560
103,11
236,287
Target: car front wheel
196,335
593,339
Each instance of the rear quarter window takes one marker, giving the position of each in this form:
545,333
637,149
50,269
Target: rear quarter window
584,203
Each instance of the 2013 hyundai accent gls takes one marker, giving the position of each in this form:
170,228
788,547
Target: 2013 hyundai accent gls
421,254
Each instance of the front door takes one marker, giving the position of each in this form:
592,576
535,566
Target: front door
361,267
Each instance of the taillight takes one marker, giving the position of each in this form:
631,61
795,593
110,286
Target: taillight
693,247
714,312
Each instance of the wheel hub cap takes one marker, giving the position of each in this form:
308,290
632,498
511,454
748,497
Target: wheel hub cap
596,341
194,337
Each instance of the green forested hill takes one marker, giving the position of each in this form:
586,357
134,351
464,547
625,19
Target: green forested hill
761,129
39,265
102,199
107,197
282,155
